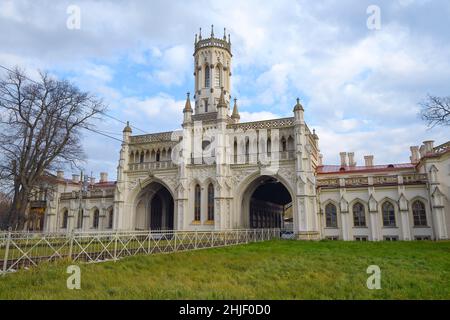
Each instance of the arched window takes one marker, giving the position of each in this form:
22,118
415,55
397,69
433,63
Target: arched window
211,202
419,213
388,214
331,216
80,219
359,215
95,219
65,218
110,218
247,151
217,77
207,75
269,146
158,155
197,201
141,158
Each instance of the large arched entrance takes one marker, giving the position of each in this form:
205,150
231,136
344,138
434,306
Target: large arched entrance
154,208
267,203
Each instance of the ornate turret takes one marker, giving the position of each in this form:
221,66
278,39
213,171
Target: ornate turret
235,115
299,112
212,71
298,106
127,128
127,132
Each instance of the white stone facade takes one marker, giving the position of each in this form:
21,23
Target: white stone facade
205,176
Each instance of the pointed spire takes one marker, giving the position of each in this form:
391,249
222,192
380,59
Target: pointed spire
195,39
229,40
212,31
298,106
222,103
187,106
200,34
224,34
235,114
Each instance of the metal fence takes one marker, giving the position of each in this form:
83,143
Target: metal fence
23,249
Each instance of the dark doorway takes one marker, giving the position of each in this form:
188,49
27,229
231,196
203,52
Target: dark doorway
270,204
161,210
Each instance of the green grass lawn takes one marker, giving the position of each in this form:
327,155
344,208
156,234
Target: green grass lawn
280,269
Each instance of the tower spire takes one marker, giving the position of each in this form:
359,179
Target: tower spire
200,34
224,34
212,31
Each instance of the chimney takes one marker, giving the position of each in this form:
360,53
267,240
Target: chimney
103,177
368,161
415,155
343,159
60,174
428,146
75,178
351,159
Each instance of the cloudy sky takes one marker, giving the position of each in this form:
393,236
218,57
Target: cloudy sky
360,87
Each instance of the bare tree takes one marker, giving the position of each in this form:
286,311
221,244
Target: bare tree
436,111
40,129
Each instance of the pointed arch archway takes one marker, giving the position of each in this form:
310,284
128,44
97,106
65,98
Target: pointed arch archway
154,208
265,202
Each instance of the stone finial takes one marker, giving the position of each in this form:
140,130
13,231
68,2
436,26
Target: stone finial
200,34
221,103
235,115
229,39
298,106
212,31
187,106
314,135
195,41
127,129
224,34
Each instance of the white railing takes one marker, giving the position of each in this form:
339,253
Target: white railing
27,249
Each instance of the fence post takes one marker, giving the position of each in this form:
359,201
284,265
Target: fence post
195,238
175,240
149,241
71,245
115,247
5,261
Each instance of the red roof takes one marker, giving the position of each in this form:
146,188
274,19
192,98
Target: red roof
343,170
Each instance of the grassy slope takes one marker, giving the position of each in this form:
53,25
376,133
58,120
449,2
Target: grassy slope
270,270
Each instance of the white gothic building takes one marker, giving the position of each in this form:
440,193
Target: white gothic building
218,173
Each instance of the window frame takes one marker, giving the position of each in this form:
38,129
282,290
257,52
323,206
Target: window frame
420,219
359,220
211,202
389,218
197,202
329,221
